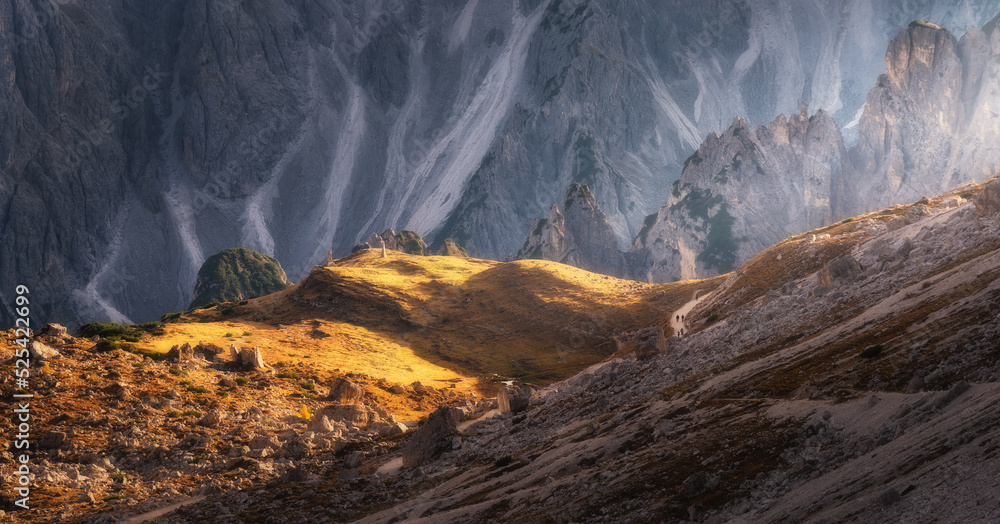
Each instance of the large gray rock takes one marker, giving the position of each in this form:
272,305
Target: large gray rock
514,399
247,358
431,439
356,414
53,330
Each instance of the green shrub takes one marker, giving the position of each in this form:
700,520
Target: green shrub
228,335
173,413
308,385
115,496
103,330
222,394
171,316
711,318
847,220
965,194
197,389
242,381
192,413
247,333
177,371
287,374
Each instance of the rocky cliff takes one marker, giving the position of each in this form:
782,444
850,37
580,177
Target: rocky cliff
140,137
579,236
742,192
931,123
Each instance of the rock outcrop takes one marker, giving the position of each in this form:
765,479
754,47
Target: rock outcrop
741,192
247,358
580,235
514,399
344,391
931,122
237,274
432,438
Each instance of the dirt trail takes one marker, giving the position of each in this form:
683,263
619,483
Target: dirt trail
675,323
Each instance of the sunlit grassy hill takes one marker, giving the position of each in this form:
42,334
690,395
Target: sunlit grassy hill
440,320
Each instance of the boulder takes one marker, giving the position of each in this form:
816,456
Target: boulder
988,200
52,440
321,425
212,419
431,439
357,414
421,389
843,269
209,351
345,391
181,353
53,330
247,358
389,429
41,352
645,343
514,399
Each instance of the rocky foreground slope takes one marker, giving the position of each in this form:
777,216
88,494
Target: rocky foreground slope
847,374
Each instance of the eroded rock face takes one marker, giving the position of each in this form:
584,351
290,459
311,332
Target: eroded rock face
431,439
741,192
579,236
929,123
181,170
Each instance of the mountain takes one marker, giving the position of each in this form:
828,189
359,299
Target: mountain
579,236
743,192
928,125
237,274
848,373
139,137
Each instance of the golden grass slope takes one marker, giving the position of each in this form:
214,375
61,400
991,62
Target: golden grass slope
442,320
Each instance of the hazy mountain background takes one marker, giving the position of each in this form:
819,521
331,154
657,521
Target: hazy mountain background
139,138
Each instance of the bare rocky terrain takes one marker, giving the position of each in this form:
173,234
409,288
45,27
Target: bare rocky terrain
846,374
